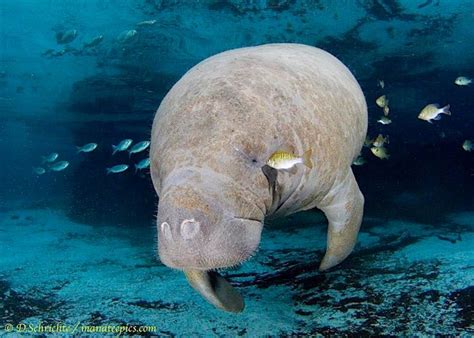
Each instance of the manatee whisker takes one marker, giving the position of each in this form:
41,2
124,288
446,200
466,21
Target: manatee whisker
248,219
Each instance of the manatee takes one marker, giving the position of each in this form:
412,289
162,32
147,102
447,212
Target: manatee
211,137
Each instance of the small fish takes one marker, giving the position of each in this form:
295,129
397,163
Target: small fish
380,141
48,52
50,158
432,112
39,170
122,146
140,146
384,120
126,35
58,166
368,142
380,152
284,160
359,161
117,169
462,81
143,164
94,42
382,101
386,110
146,23
381,84
60,52
468,145
66,37
87,148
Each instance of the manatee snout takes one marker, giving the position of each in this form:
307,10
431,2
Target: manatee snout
196,235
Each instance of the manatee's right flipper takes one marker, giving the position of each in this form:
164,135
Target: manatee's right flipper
272,175
344,208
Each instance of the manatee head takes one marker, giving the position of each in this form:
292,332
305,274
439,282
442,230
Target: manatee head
204,225
197,232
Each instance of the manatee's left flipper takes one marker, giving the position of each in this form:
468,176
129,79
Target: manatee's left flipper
343,207
216,290
272,175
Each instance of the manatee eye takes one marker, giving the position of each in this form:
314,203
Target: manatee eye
254,160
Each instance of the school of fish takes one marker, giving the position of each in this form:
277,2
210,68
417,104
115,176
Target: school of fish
279,160
64,38
430,113
51,162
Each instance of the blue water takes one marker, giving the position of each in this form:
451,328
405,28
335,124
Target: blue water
79,246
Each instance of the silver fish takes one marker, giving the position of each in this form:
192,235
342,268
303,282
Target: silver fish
117,169
87,148
39,170
50,158
359,161
122,146
66,37
468,145
462,81
59,166
146,23
143,164
126,35
140,146
94,42
384,120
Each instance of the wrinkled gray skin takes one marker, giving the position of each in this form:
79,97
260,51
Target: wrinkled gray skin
215,130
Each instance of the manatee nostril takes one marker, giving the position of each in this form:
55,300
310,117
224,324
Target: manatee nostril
166,230
189,228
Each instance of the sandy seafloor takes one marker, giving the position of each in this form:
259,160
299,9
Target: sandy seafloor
402,279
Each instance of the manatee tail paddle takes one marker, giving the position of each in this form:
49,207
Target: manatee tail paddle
216,290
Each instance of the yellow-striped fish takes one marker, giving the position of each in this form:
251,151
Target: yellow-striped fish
285,160
382,101
380,141
380,152
432,112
